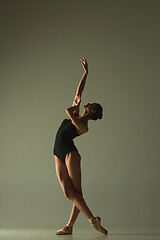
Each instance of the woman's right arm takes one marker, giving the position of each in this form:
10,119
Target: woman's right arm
81,126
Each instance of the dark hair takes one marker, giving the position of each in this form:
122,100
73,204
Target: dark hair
99,112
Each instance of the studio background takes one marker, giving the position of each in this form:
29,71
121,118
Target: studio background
41,43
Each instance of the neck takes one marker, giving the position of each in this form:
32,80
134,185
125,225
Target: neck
85,117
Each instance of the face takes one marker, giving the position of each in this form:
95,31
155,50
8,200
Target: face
89,107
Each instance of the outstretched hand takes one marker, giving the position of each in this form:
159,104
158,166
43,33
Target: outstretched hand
84,64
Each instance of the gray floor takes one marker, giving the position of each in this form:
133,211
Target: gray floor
78,234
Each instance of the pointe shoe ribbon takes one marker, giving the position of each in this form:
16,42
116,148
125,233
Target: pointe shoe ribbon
65,231
96,223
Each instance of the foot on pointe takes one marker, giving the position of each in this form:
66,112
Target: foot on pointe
66,230
96,223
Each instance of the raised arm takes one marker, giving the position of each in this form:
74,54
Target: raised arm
77,98
83,79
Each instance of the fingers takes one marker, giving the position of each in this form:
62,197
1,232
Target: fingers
84,64
83,60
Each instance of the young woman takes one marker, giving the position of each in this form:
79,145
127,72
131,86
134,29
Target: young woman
68,159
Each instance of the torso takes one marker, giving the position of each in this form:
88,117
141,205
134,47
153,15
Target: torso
64,143
75,125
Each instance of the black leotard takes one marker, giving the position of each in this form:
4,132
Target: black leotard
64,139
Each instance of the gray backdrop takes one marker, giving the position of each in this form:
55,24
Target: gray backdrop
41,44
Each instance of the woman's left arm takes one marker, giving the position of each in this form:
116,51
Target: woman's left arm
77,98
83,79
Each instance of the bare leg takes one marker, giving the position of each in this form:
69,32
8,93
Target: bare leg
69,176
74,214
80,203
73,164
66,173
75,177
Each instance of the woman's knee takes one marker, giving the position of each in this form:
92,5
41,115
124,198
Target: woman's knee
72,194
78,190
69,193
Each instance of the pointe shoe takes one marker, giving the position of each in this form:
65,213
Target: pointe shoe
65,231
96,223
